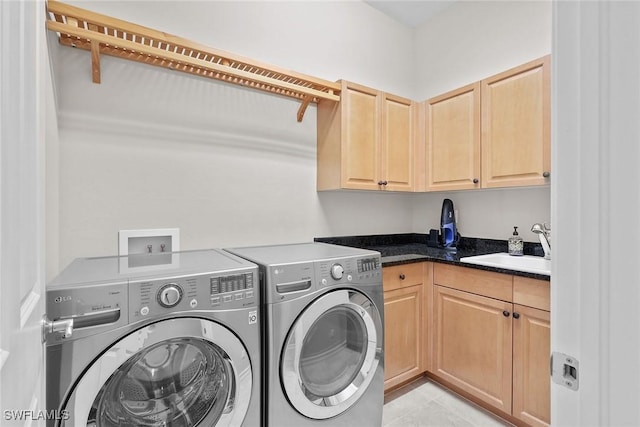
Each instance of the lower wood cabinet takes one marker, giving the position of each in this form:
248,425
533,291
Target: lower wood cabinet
484,333
405,300
531,380
495,346
472,342
403,334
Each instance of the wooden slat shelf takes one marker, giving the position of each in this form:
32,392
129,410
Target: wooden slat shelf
101,34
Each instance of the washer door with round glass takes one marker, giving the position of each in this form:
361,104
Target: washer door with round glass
331,354
178,372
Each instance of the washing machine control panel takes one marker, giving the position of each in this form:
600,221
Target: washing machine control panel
230,291
169,295
337,271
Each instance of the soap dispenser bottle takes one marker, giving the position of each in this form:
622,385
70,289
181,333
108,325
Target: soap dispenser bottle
516,244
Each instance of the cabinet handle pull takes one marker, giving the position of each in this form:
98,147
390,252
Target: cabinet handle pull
379,182
546,174
506,313
475,180
402,277
516,315
384,182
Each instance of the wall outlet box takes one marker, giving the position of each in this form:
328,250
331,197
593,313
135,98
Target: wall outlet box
156,240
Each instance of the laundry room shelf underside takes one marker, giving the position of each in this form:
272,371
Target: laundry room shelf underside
104,35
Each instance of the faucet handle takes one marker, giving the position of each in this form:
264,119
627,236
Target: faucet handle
547,232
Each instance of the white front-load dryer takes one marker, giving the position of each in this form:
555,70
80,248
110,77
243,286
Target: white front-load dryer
155,340
323,334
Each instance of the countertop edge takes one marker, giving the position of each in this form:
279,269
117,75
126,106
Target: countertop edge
407,248
425,258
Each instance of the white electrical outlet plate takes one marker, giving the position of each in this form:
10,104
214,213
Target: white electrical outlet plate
148,241
133,249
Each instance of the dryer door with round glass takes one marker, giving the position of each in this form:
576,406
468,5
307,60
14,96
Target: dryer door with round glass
331,353
178,372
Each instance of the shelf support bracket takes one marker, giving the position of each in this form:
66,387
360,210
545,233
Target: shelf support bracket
95,61
95,56
303,108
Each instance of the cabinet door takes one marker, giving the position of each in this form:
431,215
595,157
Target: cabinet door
360,138
403,334
472,344
531,381
397,143
516,130
453,140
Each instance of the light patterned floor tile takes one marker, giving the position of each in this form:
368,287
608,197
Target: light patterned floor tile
469,411
431,391
405,389
424,403
401,405
428,415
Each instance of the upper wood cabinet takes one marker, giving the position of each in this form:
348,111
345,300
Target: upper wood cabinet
493,133
453,140
516,130
365,142
397,142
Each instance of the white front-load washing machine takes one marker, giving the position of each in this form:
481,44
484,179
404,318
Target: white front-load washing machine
323,332
171,339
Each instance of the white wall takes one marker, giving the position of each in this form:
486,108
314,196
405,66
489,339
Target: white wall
327,39
152,148
490,213
471,40
465,43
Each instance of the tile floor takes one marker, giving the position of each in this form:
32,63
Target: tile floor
424,403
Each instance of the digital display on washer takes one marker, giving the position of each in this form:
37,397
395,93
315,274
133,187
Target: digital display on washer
368,264
237,282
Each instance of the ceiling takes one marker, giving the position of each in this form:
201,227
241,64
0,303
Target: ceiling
410,13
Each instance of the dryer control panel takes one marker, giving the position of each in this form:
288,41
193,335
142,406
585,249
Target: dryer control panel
149,298
286,282
349,270
369,268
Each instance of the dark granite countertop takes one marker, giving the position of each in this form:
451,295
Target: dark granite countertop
397,249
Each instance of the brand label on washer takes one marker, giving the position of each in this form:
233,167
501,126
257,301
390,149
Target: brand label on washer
253,317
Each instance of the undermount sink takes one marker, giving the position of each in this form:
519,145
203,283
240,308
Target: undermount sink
526,263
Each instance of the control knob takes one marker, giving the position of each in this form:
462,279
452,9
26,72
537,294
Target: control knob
170,295
337,271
